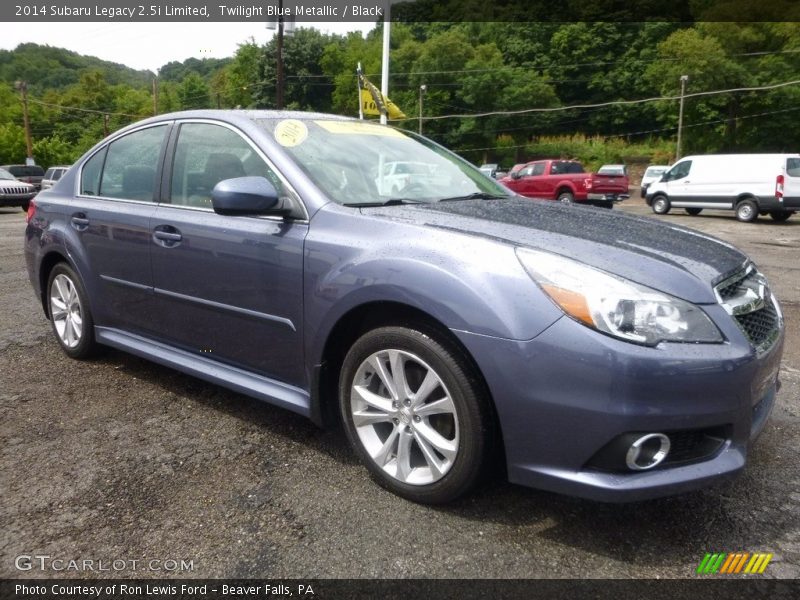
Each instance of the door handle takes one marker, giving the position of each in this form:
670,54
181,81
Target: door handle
167,236
79,221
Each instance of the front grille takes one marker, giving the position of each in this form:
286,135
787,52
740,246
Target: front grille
759,326
747,299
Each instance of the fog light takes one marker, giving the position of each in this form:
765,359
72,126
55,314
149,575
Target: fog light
647,452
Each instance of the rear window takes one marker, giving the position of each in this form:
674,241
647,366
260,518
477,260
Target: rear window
561,167
25,171
793,167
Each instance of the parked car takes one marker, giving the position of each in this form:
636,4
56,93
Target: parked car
52,175
253,250
749,184
567,181
28,173
613,170
651,174
399,175
490,169
14,192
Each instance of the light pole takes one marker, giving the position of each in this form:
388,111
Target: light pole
422,89
684,79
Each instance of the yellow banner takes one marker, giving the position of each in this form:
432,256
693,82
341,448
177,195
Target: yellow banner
371,98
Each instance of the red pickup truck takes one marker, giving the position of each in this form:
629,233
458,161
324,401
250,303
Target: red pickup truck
566,181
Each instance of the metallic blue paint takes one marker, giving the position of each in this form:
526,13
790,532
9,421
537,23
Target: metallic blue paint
250,303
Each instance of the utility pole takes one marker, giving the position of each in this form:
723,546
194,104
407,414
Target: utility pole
387,34
279,48
22,86
105,125
155,95
422,89
684,79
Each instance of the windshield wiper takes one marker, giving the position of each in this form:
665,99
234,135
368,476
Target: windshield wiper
474,196
389,202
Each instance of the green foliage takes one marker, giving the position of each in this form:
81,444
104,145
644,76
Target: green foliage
468,69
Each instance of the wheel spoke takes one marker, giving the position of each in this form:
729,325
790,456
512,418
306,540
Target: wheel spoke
435,464
404,456
72,300
434,438
443,405
68,333
377,402
387,450
380,370
430,383
366,417
398,363
57,310
77,325
62,294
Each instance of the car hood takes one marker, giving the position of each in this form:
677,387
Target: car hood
676,260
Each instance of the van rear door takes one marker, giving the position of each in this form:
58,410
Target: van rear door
791,184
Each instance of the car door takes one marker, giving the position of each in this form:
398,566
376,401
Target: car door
226,287
676,182
110,222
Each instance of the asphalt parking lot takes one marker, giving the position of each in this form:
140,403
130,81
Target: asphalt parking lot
121,459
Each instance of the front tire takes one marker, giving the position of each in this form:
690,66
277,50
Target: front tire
780,216
661,205
24,206
70,317
747,211
415,413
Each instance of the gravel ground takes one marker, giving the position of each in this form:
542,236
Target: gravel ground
118,458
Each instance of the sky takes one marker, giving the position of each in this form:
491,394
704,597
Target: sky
151,45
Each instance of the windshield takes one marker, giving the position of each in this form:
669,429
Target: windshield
357,162
6,175
654,172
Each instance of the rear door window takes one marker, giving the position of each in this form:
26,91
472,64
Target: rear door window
793,167
131,165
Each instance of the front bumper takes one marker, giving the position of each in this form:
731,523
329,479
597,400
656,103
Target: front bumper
564,395
16,199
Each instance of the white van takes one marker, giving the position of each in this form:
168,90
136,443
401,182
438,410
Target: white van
750,184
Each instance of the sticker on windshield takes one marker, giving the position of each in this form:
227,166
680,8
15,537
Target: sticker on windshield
358,127
290,132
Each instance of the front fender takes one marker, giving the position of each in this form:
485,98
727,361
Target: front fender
466,283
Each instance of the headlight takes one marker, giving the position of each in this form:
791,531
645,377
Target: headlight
615,306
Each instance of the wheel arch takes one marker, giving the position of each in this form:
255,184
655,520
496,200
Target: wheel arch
48,262
352,325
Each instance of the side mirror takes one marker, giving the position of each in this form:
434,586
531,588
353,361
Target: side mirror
515,175
248,196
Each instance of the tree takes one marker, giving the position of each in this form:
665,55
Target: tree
193,92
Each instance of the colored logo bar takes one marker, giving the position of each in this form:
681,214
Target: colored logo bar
733,563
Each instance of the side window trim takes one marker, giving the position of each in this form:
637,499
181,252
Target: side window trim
169,165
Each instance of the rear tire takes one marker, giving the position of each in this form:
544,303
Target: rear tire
693,211
780,216
747,211
432,448
70,317
661,205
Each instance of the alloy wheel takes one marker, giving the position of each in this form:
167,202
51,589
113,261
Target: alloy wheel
66,311
404,417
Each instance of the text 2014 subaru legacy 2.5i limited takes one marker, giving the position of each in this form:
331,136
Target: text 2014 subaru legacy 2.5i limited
446,323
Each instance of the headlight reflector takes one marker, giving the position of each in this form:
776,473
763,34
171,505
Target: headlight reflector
616,306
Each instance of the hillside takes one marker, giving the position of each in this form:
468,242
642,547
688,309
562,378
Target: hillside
46,67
